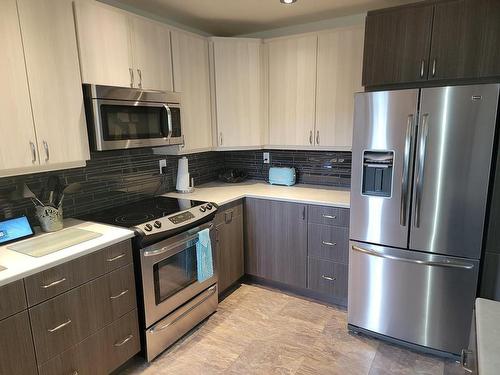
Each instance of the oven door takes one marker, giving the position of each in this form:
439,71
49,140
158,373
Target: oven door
169,273
122,124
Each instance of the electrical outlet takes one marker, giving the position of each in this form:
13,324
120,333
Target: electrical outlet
266,157
163,166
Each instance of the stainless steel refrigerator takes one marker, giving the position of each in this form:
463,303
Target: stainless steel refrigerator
421,163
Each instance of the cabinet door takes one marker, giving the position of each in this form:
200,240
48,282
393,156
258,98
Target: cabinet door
464,36
51,53
397,43
151,54
104,44
276,241
292,91
192,79
340,62
230,248
17,355
16,123
238,81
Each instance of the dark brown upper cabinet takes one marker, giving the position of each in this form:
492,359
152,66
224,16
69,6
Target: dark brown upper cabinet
397,43
455,40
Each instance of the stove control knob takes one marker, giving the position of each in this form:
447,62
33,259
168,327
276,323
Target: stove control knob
203,209
209,206
148,227
157,224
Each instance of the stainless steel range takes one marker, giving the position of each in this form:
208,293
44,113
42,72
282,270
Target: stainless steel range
172,299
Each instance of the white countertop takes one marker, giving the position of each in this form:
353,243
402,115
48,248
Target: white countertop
488,336
20,265
222,193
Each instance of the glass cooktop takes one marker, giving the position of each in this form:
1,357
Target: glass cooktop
133,214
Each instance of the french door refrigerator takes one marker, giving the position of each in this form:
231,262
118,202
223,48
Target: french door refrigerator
421,163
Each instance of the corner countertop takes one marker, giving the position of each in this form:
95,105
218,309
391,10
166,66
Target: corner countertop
20,266
223,193
488,336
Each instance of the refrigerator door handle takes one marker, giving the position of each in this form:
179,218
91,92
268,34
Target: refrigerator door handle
448,264
406,172
420,169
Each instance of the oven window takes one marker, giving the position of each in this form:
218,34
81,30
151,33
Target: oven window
123,122
175,273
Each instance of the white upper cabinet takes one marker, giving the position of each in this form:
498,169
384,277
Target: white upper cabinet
292,90
192,80
51,55
104,44
238,87
151,54
340,60
17,140
121,49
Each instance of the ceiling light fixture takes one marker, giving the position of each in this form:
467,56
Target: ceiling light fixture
287,1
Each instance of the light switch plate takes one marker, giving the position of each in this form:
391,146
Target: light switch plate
266,157
163,164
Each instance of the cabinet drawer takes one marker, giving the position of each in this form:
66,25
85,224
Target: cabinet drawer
328,242
17,356
12,299
327,277
65,320
228,211
329,215
59,279
100,353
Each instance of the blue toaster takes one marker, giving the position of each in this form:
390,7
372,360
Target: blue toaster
282,176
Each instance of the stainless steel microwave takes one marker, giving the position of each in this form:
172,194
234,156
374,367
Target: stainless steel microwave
122,117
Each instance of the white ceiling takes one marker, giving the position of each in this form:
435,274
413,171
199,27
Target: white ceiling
237,17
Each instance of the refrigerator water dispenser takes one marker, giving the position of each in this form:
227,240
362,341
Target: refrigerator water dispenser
377,173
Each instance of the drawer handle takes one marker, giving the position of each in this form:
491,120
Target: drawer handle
330,216
328,278
119,295
60,326
116,257
124,341
329,243
54,283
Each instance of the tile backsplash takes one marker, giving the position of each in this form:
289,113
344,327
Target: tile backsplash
313,167
113,178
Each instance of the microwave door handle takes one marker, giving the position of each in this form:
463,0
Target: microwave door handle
169,120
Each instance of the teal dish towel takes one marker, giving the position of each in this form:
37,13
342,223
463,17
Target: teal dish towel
204,256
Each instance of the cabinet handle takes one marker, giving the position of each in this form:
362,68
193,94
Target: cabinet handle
328,278
46,148
54,283
230,217
131,71
422,68
139,73
310,137
434,62
33,152
220,136
115,258
329,216
304,213
329,243
60,326
119,295
317,137
124,341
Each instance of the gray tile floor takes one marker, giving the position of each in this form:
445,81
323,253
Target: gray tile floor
262,331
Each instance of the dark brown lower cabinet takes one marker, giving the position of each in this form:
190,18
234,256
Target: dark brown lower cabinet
229,245
17,355
276,241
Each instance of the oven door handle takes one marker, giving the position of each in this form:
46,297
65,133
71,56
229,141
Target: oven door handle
162,250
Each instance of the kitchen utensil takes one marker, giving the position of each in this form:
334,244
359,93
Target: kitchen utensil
53,186
69,189
27,193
